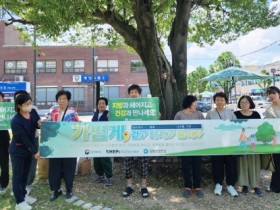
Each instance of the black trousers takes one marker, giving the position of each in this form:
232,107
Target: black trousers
223,163
62,168
4,165
275,178
20,166
191,169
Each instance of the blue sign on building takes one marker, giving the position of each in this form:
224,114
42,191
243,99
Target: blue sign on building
87,78
11,87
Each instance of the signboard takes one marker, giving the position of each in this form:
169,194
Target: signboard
87,78
134,109
7,111
159,138
12,86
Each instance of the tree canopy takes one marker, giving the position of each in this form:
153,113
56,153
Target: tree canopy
145,25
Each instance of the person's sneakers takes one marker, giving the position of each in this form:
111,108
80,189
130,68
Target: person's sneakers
108,182
258,191
144,192
69,194
23,206
187,192
99,178
128,191
198,192
28,189
218,189
3,190
232,191
30,200
55,195
245,190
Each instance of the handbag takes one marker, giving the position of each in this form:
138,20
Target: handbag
43,168
84,167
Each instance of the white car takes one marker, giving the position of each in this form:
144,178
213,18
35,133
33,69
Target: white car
260,102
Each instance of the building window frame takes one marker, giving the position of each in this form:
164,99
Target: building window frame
108,66
137,66
46,66
15,67
74,66
77,100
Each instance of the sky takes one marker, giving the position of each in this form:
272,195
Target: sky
253,41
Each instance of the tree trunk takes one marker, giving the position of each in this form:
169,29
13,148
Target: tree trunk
164,81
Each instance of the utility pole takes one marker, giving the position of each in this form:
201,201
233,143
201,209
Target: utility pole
92,81
34,67
273,70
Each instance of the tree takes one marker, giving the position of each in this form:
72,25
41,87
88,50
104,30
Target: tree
225,60
264,83
145,25
193,83
265,133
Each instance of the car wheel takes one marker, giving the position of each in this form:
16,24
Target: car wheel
204,110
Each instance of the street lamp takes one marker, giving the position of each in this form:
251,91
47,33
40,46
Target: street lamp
273,70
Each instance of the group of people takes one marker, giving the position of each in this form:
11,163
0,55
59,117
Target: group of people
243,171
239,170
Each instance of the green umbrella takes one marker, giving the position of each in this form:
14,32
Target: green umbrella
234,74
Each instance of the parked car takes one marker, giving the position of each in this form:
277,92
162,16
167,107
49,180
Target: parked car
203,107
52,108
260,102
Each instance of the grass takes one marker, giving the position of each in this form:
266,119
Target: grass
260,149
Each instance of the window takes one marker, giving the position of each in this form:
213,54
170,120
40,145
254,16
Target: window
77,95
108,66
111,92
46,66
137,66
73,66
145,92
46,95
15,67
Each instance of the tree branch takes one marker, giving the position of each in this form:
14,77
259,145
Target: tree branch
14,20
129,33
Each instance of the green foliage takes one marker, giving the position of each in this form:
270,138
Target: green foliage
224,60
193,84
265,132
264,83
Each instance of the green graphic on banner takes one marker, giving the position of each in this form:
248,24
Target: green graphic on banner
159,138
132,109
7,111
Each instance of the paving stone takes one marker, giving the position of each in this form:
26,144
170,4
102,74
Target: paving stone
87,205
79,203
71,200
106,208
97,208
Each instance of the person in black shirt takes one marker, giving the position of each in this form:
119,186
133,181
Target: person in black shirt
4,156
22,148
248,166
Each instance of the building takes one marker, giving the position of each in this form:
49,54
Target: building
58,67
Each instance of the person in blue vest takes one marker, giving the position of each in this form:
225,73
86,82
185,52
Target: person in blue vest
23,148
102,166
4,156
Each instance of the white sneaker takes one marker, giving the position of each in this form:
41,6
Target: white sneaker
3,190
232,191
23,206
28,189
218,189
30,200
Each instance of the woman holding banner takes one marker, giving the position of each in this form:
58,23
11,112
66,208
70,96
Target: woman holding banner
62,167
23,147
248,166
191,165
102,165
274,112
223,163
